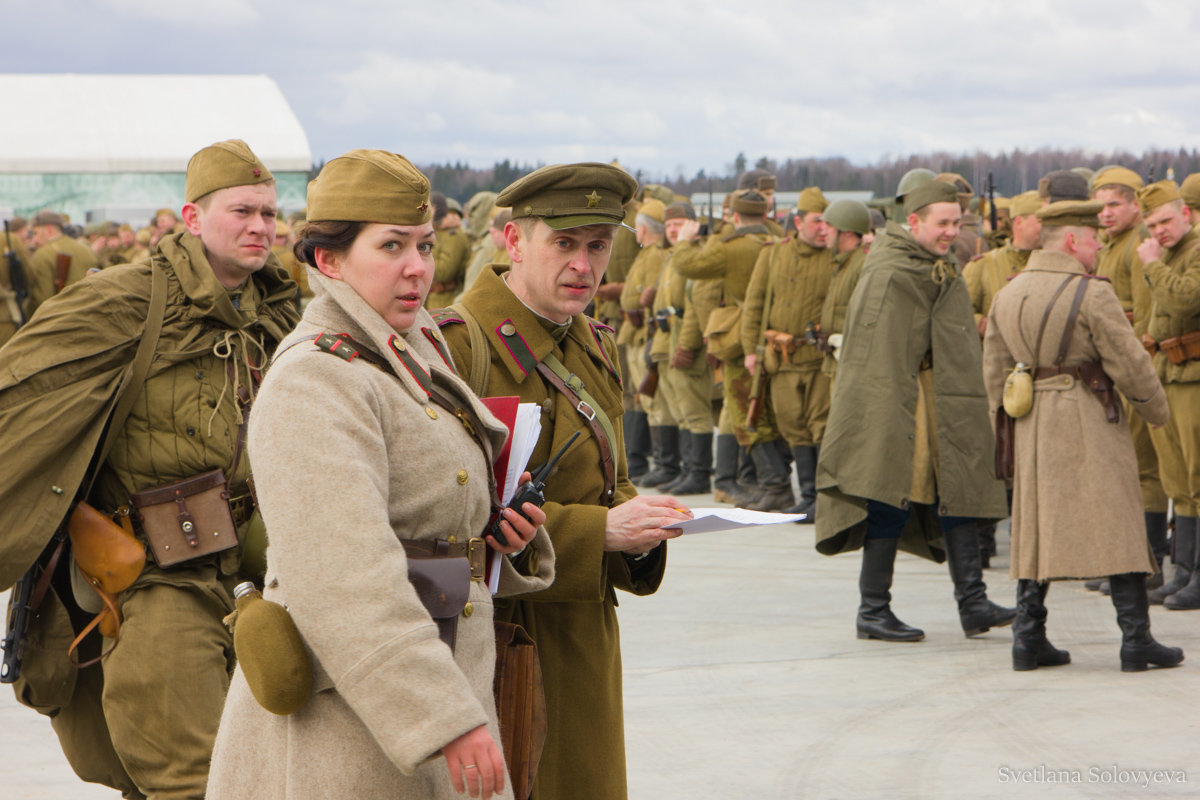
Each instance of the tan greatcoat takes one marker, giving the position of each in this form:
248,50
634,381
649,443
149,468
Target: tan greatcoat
1077,507
352,462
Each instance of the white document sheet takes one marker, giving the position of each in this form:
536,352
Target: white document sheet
710,520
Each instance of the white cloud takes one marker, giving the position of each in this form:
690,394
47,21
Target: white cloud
211,14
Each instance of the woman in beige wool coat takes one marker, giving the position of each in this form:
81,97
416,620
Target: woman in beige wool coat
351,458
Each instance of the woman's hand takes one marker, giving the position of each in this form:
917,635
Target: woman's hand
517,530
475,763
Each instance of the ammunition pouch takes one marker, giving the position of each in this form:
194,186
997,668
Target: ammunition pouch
1149,343
189,518
1181,349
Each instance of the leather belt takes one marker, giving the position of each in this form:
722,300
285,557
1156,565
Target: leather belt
474,550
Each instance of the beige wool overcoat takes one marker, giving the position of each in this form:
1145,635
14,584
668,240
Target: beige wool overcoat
354,459
1077,504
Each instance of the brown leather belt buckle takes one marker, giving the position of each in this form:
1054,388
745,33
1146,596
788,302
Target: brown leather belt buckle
477,555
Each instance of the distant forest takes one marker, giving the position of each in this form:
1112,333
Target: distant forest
1013,172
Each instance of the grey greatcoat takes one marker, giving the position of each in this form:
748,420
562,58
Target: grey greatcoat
353,460
1077,505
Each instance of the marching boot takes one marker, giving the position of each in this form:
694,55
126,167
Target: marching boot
1183,556
875,617
725,485
637,443
1156,534
697,479
1138,647
685,449
666,457
773,477
975,611
806,475
1188,598
987,545
1031,649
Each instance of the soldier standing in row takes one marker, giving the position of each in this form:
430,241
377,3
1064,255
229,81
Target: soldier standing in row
452,253
58,260
144,720
990,272
849,222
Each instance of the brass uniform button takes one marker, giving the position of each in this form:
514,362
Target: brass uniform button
508,329
468,610
399,344
431,412
462,477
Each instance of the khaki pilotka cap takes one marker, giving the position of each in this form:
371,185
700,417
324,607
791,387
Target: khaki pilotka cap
1189,190
571,195
749,202
811,199
928,193
220,166
1157,194
1072,213
653,208
1117,176
1025,203
370,186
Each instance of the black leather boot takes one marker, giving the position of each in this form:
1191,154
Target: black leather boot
1188,598
666,458
1156,534
987,545
875,617
1031,649
806,474
1183,556
1138,647
773,477
697,479
975,611
637,443
685,449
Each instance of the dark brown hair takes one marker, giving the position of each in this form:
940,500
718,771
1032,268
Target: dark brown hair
333,235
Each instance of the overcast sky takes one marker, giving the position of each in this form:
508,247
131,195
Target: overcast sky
664,85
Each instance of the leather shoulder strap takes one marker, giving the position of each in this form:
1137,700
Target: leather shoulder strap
1046,317
1072,316
557,374
481,360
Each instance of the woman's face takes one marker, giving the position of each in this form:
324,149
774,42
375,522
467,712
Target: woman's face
390,266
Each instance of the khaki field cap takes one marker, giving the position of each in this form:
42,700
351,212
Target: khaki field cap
811,199
928,193
48,218
1025,203
1119,176
1189,190
1157,194
370,186
1073,213
749,201
682,210
571,195
654,209
222,165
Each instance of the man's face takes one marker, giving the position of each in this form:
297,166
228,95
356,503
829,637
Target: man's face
165,222
847,240
812,229
1027,232
643,235
671,228
1169,223
1119,213
937,232
127,238
556,273
1087,244
237,227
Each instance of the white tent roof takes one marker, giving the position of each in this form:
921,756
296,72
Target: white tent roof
143,123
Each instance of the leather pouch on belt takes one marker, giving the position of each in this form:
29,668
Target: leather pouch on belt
187,519
443,585
108,559
1191,345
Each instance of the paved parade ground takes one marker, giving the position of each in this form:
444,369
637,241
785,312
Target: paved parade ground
744,679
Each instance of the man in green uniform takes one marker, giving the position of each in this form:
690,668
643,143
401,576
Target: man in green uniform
908,453
796,274
990,272
47,275
451,255
522,331
730,258
849,222
1170,260
144,720
12,312
1189,190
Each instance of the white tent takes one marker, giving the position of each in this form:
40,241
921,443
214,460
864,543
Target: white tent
84,142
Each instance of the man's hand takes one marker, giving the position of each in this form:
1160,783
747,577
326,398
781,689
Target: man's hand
982,326
751,361
638,525
647,298
1149,250
683,358
517,530
689,231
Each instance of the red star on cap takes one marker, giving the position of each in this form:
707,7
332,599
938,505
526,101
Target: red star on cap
257,172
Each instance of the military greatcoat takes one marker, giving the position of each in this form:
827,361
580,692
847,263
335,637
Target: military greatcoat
1077,510
574,622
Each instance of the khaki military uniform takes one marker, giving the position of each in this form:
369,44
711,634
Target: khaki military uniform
847,268
449,266
730,258
1119,262
968,244
687,391
43,270
574,622
990,273
295,270
10,313
164,684
799,275
1174,282
643,274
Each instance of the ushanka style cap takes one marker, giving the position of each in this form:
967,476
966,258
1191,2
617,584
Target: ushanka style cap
1073,213
370,186
928,193
571,195
220,166
749,201
1157,194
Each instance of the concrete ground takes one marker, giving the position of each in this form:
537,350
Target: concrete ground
744,679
